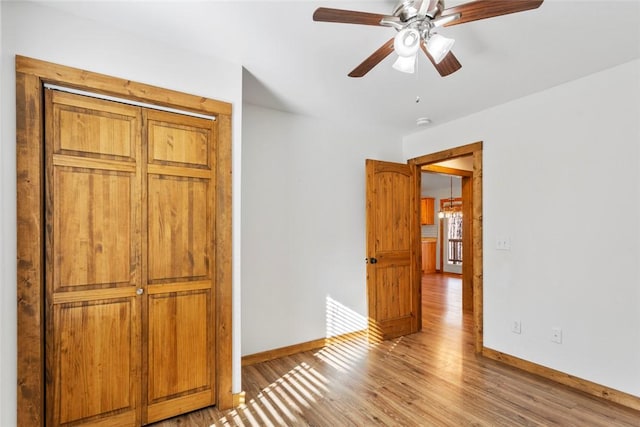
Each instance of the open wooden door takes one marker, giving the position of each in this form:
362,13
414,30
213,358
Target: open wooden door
393,251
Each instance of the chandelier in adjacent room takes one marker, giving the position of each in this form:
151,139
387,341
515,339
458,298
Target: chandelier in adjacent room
449,209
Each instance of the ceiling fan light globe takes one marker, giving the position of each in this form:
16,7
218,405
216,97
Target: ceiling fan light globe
439,46
406,64
407,42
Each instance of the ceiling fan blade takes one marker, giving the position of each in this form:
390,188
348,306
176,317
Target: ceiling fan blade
373,60
482,9
448,65
325,14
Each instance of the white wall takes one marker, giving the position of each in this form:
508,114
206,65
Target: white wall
561,179
44,33
303,226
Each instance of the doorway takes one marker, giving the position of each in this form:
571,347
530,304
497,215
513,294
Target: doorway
445,229
472,217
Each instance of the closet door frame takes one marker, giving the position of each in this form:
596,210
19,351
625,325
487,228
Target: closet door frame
31,76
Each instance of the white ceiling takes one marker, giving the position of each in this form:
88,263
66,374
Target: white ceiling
297,65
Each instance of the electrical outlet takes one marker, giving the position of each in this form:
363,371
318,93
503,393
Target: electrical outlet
516,327
503,243
556,335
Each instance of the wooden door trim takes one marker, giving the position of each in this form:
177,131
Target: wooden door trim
467,251
475,150
75,78
446,170
31,75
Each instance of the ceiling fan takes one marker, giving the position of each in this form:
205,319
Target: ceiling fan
416,22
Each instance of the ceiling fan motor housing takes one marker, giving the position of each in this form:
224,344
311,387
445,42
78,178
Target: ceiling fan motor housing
407,10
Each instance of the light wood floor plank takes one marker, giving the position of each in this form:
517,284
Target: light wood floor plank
432,378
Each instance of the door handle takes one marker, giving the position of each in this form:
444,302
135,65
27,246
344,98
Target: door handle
373,260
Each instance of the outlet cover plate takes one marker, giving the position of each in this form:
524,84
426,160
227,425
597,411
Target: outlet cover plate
503,243
516,327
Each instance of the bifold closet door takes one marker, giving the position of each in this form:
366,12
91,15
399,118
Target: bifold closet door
180,192
93,259
130,323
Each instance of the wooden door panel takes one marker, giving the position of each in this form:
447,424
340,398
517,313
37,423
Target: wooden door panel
180,348
393,288
93,126
179,231
95,363
184,141
93,241
393,193
393,271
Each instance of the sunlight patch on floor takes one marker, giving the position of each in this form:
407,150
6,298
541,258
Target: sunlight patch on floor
286,399
282,401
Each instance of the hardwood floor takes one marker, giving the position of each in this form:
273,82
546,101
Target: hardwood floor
432,378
